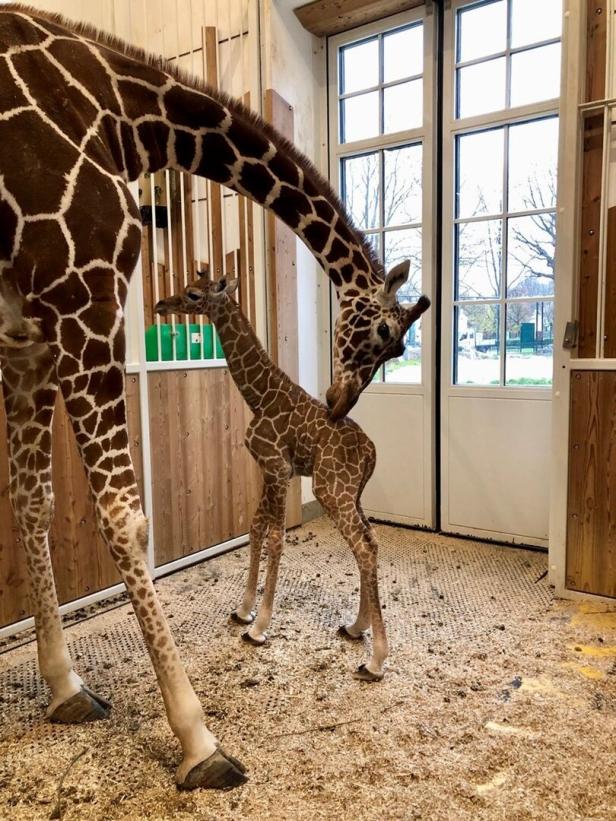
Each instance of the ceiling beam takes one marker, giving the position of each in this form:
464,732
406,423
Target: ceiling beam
323,17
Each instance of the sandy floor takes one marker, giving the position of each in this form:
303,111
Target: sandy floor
498,703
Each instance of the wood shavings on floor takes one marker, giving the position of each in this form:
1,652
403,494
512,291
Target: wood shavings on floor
487,709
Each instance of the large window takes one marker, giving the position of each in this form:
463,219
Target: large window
504,138
377,117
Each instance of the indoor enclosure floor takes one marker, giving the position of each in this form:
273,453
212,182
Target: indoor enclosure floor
498,702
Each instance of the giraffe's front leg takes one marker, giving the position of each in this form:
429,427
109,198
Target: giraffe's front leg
30,389
275,495
245,613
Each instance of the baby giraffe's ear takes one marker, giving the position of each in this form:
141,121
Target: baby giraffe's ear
231,286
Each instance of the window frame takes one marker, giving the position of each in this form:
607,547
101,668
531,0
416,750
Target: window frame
424,135
453,127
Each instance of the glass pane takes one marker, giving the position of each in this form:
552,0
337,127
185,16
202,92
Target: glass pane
403,106
359,117
401,245
360,189
359,66
407,368
375,241
532,22
480,173
402,179
482,30
535,75
481,88
531,250
533,157
403,53
479,259
530,343
477,353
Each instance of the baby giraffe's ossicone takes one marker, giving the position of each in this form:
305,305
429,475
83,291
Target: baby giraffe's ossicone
292,434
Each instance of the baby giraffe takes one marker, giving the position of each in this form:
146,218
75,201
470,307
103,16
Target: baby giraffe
292,434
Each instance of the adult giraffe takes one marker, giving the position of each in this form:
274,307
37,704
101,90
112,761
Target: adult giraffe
81,114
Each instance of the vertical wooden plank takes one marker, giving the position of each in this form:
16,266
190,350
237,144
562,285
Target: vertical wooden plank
282,287
250,250
596,36
596,28
591,519
589,241
146,272
209,38
610,286
243,258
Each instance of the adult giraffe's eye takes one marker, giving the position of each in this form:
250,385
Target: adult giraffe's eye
383,331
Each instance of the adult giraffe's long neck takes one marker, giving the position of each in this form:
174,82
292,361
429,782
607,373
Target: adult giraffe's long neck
197,131
252,370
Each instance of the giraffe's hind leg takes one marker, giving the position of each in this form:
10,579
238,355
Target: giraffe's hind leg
29,387
343,507
92,381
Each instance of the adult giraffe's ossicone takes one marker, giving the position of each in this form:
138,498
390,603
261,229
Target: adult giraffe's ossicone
81,115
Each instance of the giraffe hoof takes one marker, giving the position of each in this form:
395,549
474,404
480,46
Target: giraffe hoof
82,707
363,674
255,642
235,616
344,632
218,772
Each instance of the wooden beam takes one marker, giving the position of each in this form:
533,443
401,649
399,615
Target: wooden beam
282,286
324,17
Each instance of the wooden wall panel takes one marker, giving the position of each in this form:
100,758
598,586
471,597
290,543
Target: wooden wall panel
81,561
282,287
591,514
205,483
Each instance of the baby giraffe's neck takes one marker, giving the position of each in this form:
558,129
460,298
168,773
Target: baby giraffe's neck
252,370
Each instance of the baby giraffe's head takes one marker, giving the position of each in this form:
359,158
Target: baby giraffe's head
199,298
370,329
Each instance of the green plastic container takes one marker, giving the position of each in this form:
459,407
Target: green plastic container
188,344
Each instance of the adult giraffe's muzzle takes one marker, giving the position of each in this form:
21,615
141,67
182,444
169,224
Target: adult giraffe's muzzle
340,398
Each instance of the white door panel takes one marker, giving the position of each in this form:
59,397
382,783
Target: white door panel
496,467
397,425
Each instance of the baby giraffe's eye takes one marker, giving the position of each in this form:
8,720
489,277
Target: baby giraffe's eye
383,331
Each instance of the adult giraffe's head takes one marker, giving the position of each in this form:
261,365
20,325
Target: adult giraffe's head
370,329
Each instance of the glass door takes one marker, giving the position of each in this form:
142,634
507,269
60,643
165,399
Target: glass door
381,151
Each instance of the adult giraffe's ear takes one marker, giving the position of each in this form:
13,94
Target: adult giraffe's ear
394,280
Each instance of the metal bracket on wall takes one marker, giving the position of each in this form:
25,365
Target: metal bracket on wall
570,338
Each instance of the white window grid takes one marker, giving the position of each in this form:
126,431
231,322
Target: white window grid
422,135
455,127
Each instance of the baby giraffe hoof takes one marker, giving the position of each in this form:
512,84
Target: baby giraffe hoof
84,706
218,772
363,674
255,642
235,616
344,631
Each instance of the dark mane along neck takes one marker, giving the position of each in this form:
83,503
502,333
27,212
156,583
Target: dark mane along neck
167,119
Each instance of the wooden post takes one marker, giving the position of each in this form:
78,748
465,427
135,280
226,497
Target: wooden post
282,287
210,59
